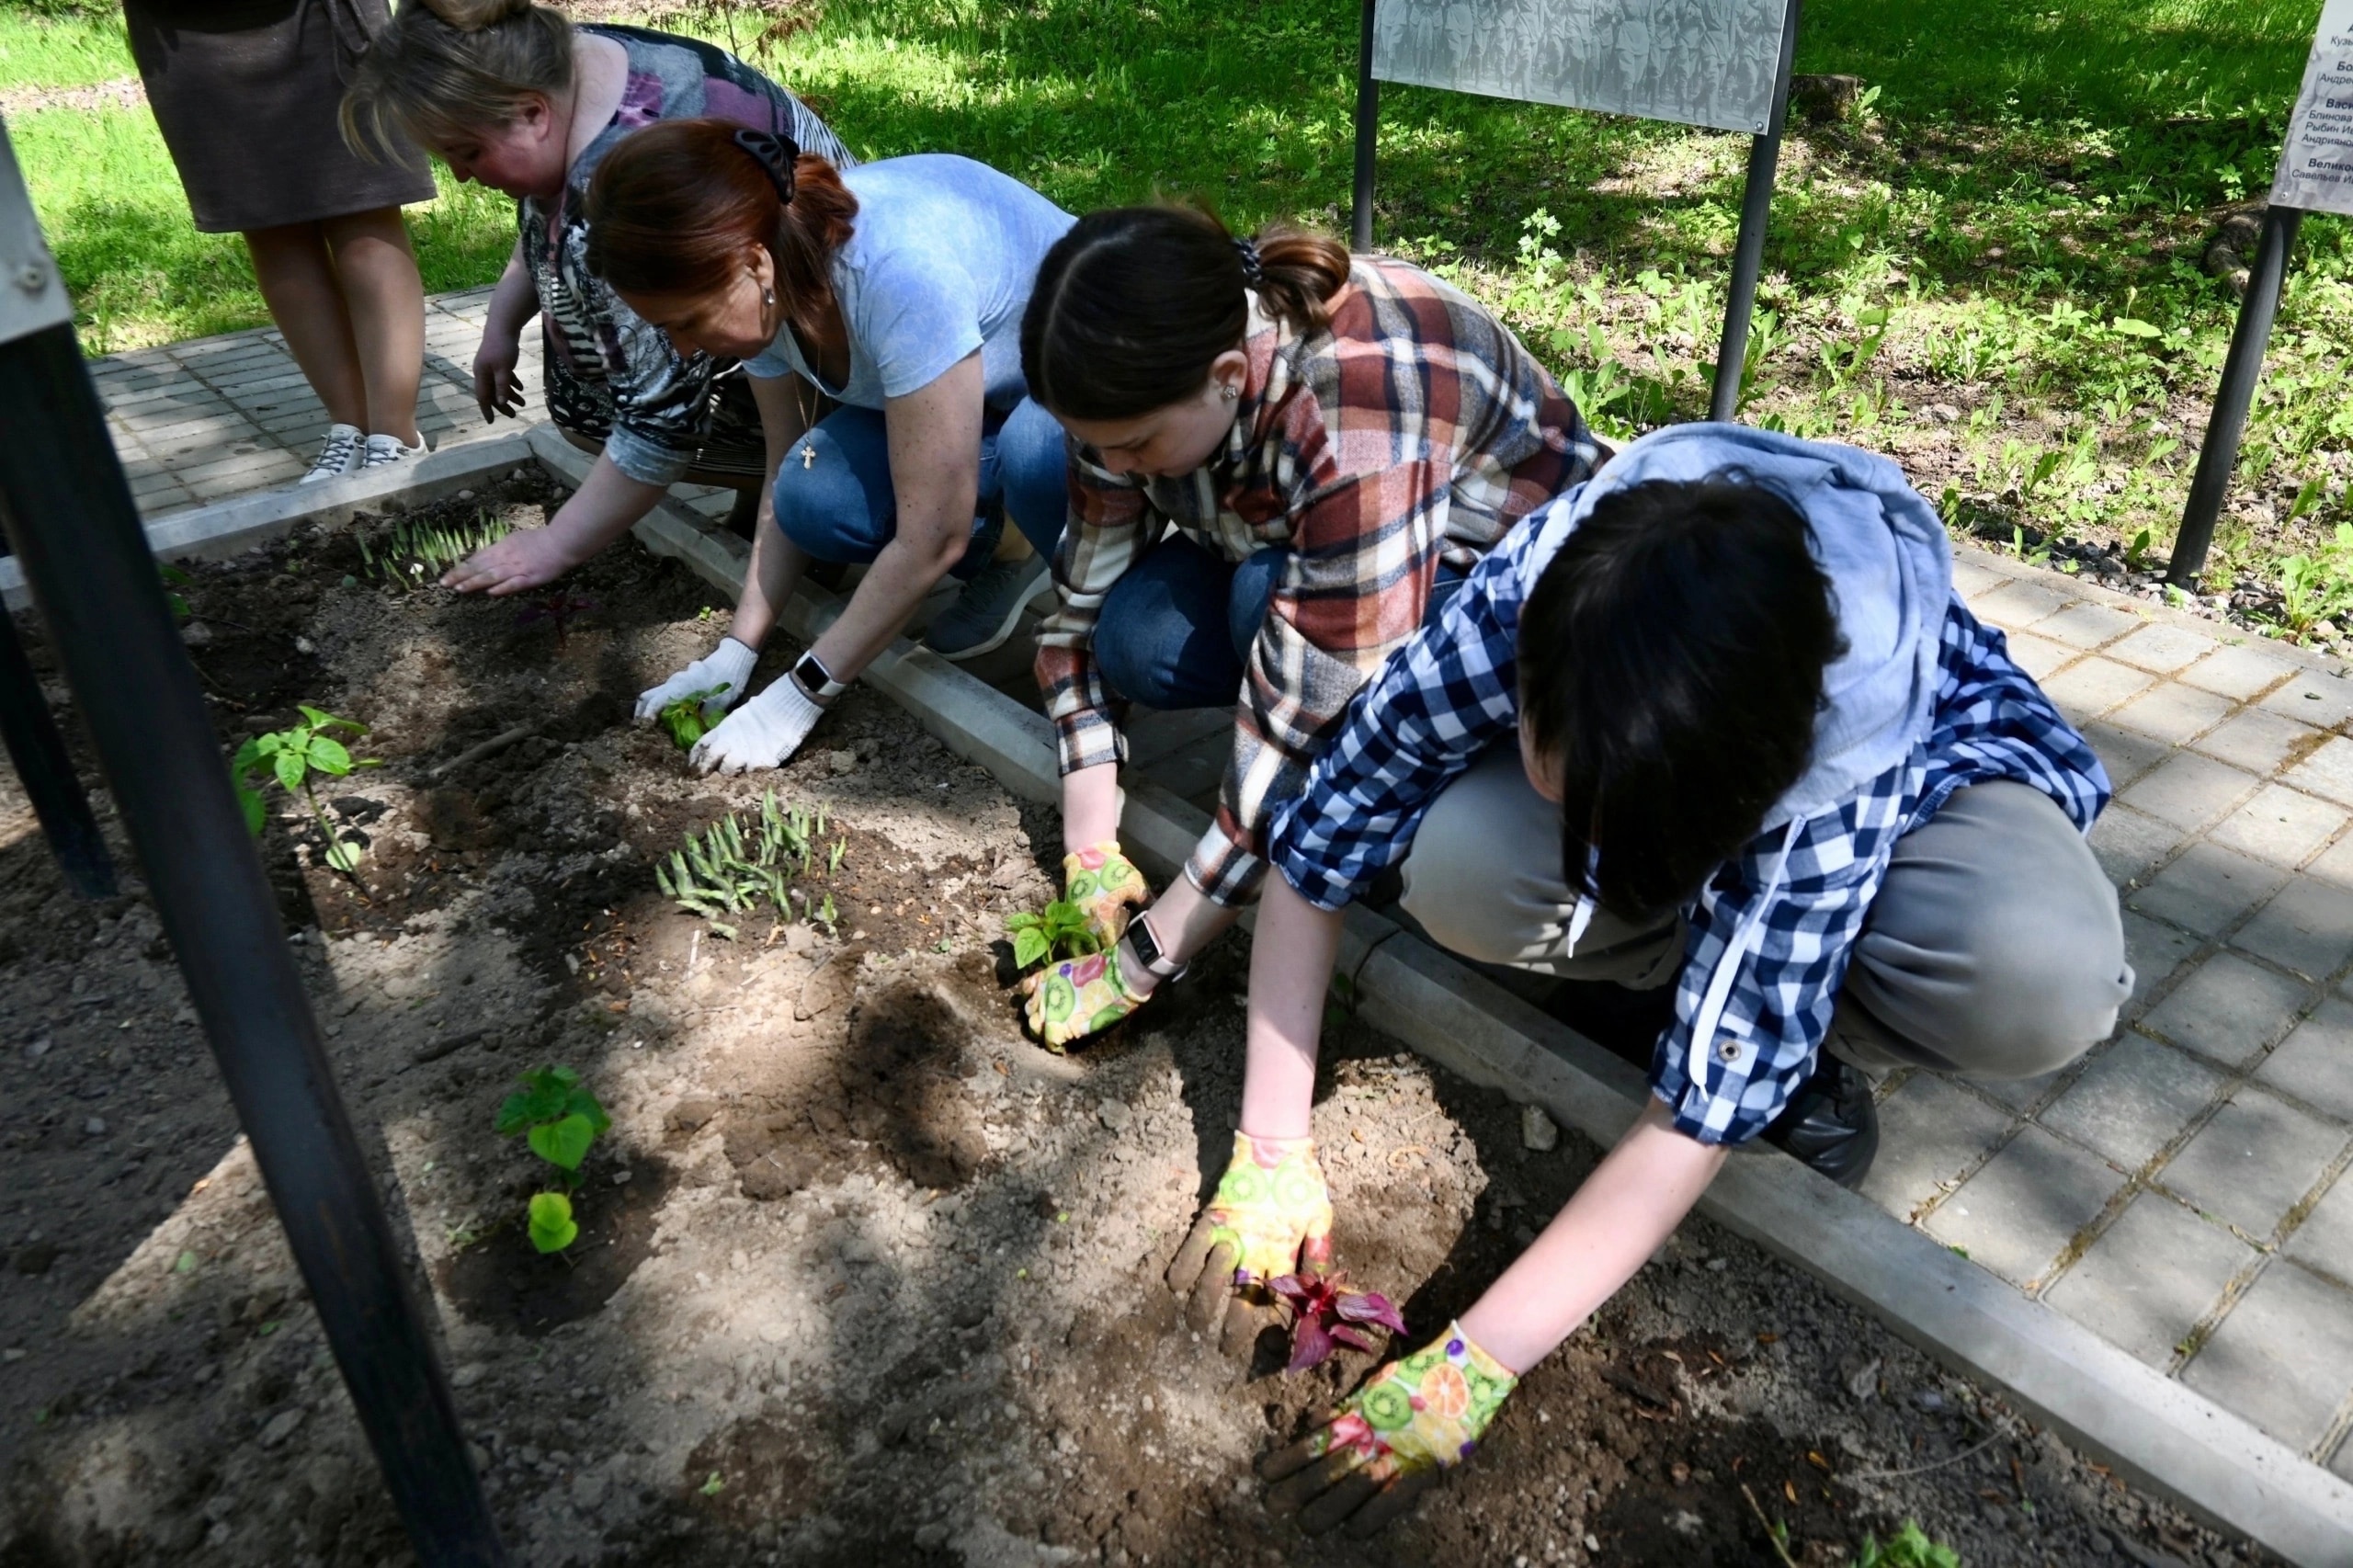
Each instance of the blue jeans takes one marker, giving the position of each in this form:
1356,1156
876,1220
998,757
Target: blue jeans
841,506
1175,629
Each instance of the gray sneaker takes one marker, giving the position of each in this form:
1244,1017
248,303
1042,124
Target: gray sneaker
985,613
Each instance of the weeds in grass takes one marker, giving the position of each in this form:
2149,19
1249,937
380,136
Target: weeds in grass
2316,586
726,871
295,757
560,1118
414,555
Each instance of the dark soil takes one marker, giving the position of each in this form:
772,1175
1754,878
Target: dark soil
881,1285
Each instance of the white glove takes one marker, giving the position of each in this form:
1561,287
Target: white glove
729,664
761,734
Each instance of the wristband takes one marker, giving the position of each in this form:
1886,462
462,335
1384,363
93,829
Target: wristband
815,681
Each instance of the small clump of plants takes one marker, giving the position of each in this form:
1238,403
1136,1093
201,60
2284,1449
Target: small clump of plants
1326,1314
414,555
731,869
557,608
683,720
560,1118
295,759
1061,930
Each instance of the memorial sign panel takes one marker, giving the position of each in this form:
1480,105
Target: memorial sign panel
2316,165
1710,63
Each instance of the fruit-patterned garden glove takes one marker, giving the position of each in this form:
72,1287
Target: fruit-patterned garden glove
1104,882
1271,1216
1391,1440
1076,998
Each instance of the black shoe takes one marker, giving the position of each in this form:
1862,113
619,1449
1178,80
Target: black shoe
1831,1124
1624,1022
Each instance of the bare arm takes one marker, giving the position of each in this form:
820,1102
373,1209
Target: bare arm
1290,969
777,562
606,506
935,434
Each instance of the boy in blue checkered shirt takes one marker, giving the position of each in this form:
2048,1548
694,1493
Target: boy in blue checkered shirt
1713,723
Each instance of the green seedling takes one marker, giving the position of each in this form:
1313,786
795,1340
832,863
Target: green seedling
1908,1548
174,578
1059,930
684,718
560,1118
730,871
295,757
414,555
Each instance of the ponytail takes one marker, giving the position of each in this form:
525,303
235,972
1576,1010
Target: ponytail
443,70
1132,305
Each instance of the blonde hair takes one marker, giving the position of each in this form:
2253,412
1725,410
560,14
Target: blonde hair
444,70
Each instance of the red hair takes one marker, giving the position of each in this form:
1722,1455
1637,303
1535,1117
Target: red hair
672,207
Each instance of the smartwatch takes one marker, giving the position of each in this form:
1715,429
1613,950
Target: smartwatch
815,681
1150,953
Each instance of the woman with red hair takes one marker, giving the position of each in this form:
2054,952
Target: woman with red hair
896,289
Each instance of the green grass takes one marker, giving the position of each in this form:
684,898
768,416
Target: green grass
2026,201
69,51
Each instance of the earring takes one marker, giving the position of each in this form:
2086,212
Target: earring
768,296
1229,392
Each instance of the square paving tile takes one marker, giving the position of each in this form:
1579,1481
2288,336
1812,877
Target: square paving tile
2090,687
1974,579
2314,698
2327,772
2038,656
2229,1009
2315,1061
2335,865
2252,1162
2323,1242
2087,625
2164,647
2189,790
2240,671
2015,1215
2150,1276
2022,604
2308,928
2173,712
2284,1356
2133,1100
2258,739
1930,1130
2128,843
2155,950
2281,826
2207,889
2126,753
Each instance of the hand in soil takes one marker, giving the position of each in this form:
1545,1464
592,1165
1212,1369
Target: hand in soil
726,669
761,734
1391,1440
1272,1216
1104,883
527,558
1077,997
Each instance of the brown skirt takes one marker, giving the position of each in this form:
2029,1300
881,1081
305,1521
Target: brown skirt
246,93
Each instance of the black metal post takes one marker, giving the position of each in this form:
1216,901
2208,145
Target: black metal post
1367,136
1749,252
2241,371
70,517
39,752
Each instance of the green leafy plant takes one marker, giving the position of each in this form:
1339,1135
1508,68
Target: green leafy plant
414,555
174,578
1059,930
295,757
2136,553
559,1117
684,719
730,869
1908,1548
2317,586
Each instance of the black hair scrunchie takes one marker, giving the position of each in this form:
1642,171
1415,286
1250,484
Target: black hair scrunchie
775,154
1253,271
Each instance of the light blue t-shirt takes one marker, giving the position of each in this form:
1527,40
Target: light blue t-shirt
941,263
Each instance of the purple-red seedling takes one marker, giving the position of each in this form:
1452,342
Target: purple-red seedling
1324,1313
558,608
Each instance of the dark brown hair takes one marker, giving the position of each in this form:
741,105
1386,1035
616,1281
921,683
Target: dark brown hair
1134,303
672,206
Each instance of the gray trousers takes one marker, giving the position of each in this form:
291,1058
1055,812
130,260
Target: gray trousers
1993,949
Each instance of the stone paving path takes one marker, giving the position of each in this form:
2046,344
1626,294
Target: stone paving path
2180,1191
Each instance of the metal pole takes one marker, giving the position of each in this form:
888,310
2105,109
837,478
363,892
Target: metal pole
1748,253
2241,371
70,517
1367,136
39,752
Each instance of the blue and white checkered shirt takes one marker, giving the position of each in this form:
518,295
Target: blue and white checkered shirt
1453,691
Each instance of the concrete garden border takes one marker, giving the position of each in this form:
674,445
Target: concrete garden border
2154,1430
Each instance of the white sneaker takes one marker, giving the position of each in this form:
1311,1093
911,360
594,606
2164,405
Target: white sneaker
386,450
343,453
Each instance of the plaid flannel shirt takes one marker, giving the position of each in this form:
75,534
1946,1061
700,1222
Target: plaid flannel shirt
1454,691
1416,431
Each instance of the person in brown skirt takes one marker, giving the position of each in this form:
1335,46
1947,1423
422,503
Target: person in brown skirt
246,94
